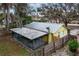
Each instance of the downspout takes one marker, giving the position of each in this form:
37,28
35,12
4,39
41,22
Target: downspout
49,35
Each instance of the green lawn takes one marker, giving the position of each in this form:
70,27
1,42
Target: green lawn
10,47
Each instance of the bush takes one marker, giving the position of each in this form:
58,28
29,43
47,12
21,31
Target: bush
73,45
12,25
26,20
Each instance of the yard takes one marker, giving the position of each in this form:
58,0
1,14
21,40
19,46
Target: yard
9,47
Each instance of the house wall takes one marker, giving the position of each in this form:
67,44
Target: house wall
56,41
59,34
45,38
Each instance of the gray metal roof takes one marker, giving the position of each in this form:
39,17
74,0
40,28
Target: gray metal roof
28,33
43,26
41,29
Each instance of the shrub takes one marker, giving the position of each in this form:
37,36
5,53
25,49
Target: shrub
12,25
73,45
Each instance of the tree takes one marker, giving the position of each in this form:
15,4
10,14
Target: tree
2,16
52,11
48,11
6,10
21,10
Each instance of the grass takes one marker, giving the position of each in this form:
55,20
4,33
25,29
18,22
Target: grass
9,47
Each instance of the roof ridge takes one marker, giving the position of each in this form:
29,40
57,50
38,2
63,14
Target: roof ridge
46,24
36,29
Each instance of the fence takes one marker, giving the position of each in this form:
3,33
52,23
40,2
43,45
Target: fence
50,48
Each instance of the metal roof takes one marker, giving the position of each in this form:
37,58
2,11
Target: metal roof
28,33
36,29
43,26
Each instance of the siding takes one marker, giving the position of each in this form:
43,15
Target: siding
45,38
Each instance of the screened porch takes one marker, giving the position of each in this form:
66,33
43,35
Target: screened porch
33,44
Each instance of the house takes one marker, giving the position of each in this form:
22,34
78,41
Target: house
40,36
58,30
36,18
36,15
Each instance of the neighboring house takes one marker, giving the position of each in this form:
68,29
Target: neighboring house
75,22
39,36
36,15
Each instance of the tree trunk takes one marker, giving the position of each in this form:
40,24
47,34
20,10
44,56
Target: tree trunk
20,22
7,17
65,24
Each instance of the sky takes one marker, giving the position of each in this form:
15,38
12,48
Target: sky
35,5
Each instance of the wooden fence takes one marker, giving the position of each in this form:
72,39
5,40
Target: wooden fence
58,44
